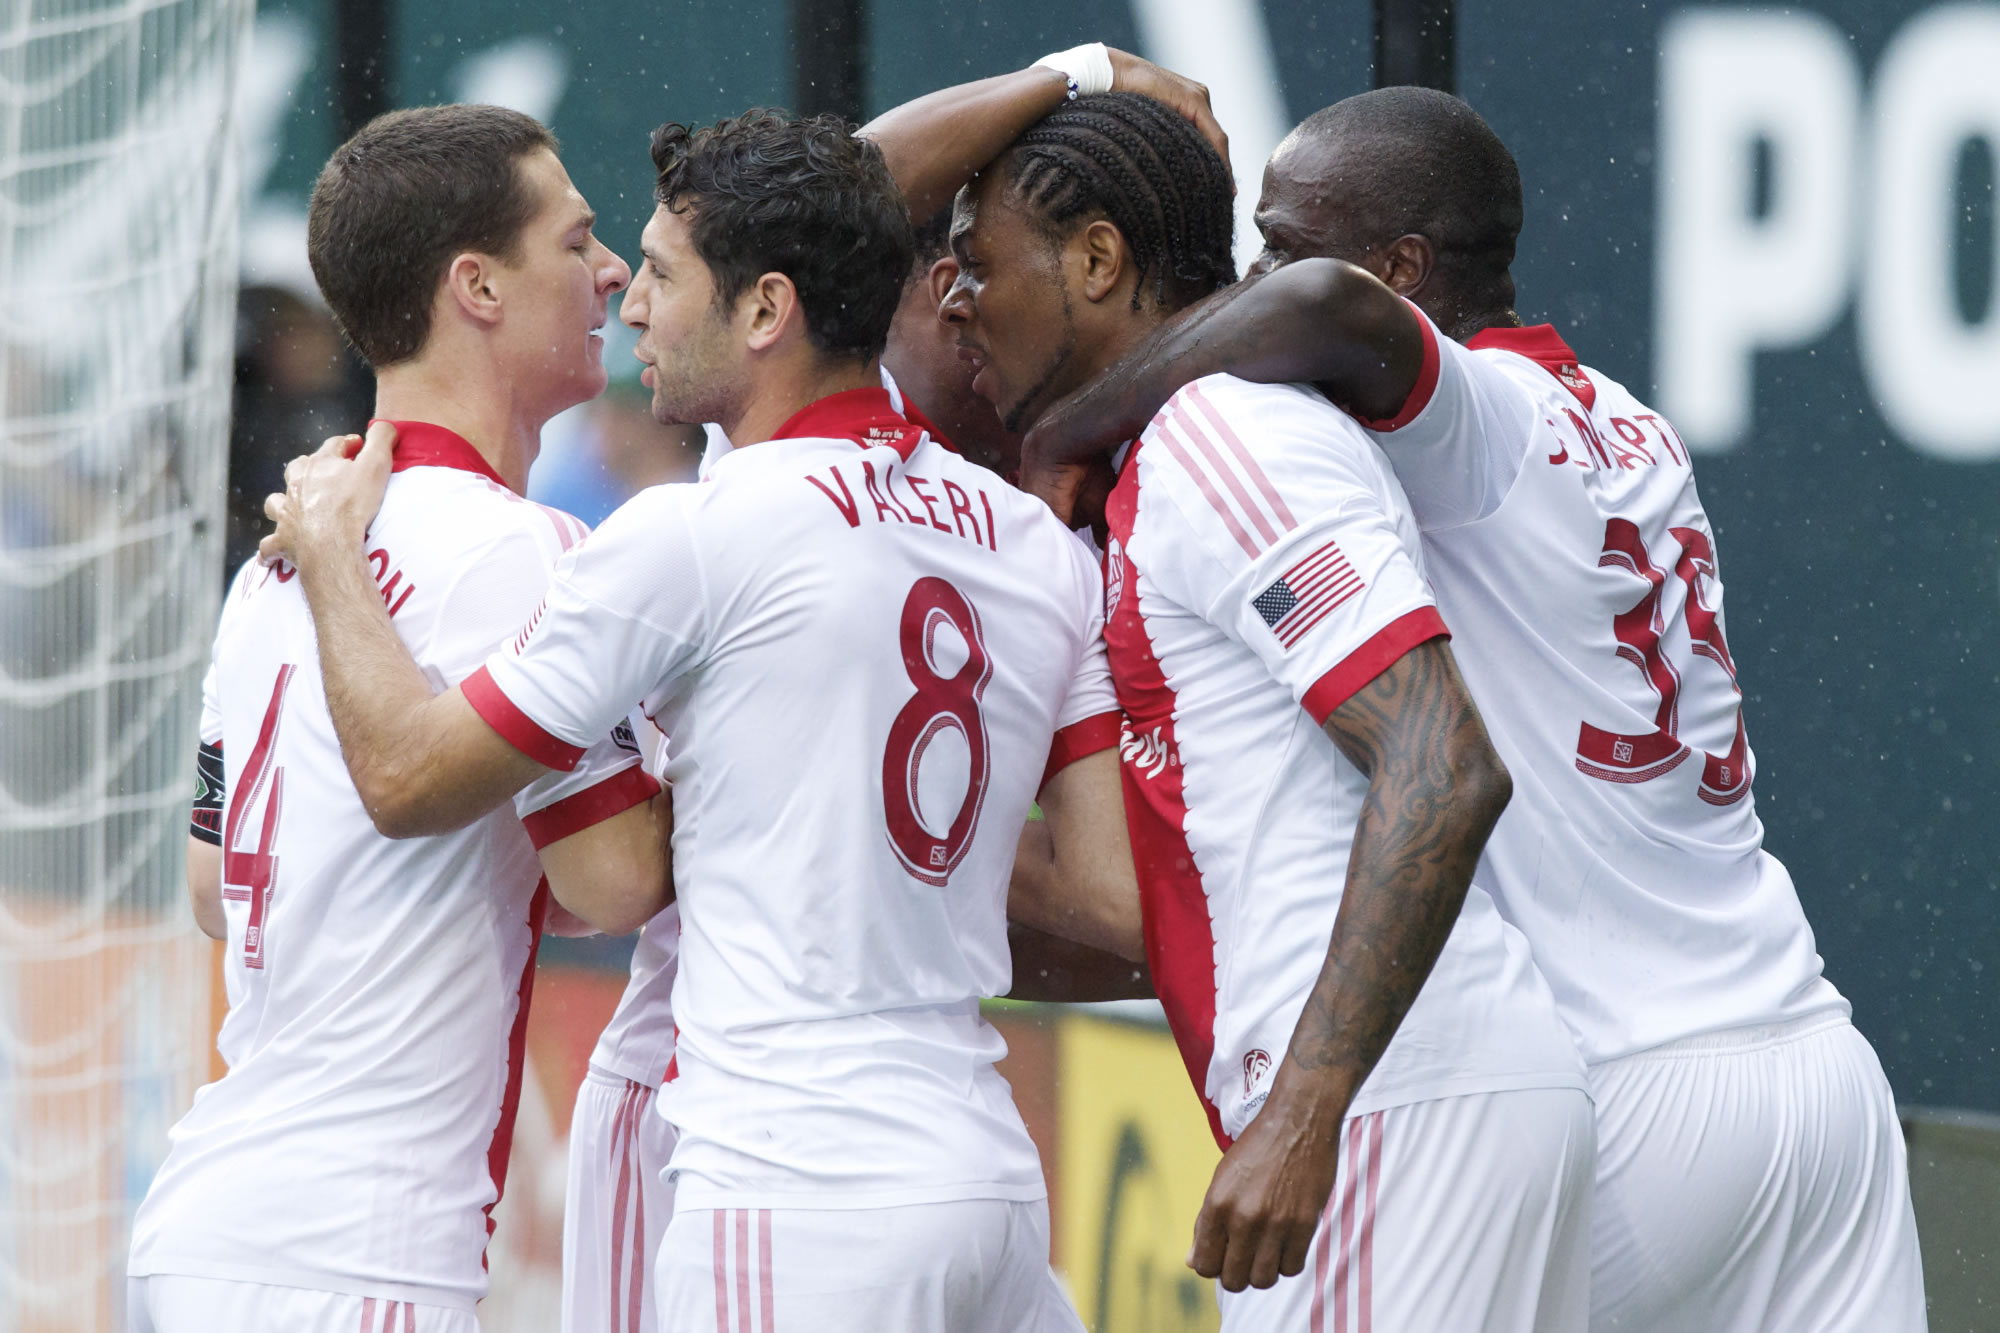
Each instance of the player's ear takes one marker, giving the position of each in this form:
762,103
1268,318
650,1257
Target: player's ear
942,275
767,308
470,284
1105,259
1405,264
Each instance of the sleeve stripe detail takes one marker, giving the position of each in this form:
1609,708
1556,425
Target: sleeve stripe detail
516,727
1229,519
1079,740
1371,659
593,805
1236,446
1421,391
1199,438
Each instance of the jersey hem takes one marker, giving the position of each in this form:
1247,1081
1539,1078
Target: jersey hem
689,1196
515,727
624,1073
306,1280
1738,1038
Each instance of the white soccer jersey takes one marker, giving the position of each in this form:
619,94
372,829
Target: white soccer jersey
637,1044
1262,568
866,652
378,988
1571,555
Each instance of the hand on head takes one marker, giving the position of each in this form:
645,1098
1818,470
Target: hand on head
1130,74
330,497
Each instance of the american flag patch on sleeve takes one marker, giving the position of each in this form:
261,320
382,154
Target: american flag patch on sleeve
1307,593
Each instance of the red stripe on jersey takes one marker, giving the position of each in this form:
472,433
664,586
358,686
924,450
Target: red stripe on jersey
765,1295
1210,450
635,1281
515,727
501,1148
368,1315
1180,937
743,1269
720,1267
1371,659
1250,464
1081,739
1347,1201
1364,1297
1200,478
1421,391
593,805
621,1152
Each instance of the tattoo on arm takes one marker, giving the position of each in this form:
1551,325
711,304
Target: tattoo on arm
1435,791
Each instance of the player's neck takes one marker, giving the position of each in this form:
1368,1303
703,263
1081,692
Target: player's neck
784,394
480,408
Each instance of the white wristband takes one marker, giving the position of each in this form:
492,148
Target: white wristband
1088,68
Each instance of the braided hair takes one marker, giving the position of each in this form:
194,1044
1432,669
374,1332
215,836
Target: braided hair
1137,163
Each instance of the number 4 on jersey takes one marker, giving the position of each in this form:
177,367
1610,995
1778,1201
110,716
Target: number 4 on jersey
248,876
1616,757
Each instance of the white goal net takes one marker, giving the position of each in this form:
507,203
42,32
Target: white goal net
118,217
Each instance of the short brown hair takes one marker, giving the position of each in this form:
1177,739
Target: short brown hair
771,192
399,200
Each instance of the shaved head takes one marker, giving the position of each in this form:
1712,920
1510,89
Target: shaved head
1398,162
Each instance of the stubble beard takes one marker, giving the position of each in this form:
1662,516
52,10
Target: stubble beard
1018,418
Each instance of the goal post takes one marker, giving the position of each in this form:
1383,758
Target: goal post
119,201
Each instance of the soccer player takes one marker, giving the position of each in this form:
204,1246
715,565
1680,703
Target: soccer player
869,655
1751,1173
1308,783
341,1175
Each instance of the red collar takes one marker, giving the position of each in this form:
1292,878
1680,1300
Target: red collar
865,416
420,444
1543,345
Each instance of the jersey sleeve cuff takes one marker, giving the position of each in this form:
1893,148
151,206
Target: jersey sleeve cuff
1078,739
1422,390
516,727
1371,659
593,805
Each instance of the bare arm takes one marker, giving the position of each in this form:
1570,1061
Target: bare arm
1435,790
204,878
1318,321
1073,874
423,763
941,140
617,874
1047,967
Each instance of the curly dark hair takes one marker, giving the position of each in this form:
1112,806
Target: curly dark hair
1134,161
395,203
770,192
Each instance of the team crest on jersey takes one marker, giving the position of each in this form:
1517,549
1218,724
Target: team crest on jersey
1149,754
1114,577
1255,1064
622,737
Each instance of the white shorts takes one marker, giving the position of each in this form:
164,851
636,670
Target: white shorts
169,1303
976,1266
1753,1180
1469,1214
616,1206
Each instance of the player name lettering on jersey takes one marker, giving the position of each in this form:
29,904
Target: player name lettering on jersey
1628,446
944,505
389,578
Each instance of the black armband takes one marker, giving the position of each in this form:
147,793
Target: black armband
205,822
